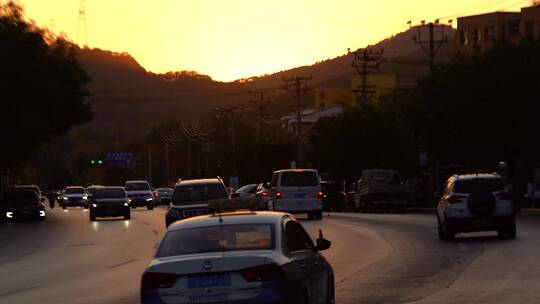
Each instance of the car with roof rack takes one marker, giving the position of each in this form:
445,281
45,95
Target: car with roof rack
240,257
473,203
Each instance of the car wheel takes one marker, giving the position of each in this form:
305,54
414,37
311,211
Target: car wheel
63,207
311,216
318,215
440,230
150,207
331,298
92,217
127,216
507,229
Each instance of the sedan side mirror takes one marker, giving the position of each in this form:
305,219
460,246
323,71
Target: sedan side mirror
322,243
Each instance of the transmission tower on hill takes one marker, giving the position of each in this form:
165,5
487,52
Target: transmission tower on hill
82,34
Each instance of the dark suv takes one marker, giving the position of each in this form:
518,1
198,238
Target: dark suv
21,204
190,198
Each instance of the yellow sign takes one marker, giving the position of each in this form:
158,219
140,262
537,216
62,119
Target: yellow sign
381,85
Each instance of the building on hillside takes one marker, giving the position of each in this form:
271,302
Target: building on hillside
482,32
308,118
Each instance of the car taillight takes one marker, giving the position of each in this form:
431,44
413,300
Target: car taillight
455,198
156,280
504,196
264,193
279,195
267,272
320,194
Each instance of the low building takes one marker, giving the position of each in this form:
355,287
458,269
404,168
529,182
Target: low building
308,118
482,32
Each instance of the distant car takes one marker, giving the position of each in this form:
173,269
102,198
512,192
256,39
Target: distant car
245,191
262,195
334,197
163,195
21,204
242,257
297,191
382,190
109,202
91,190
191,197
140,194
74,196
476,202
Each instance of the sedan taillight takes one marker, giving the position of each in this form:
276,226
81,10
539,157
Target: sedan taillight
320,194
279,195
156,280
267,272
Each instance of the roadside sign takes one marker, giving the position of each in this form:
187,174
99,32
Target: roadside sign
120,159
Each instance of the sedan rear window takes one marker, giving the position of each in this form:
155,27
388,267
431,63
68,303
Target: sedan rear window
20,197
218,239
479,185
198,193
299,179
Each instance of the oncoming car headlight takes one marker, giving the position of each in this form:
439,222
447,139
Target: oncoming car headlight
65,198
9,214
85,197
41,213
126,204
94,205
149,199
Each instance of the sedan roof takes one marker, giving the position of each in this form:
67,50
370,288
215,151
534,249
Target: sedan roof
247,217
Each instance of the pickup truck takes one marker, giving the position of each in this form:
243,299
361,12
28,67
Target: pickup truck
381,190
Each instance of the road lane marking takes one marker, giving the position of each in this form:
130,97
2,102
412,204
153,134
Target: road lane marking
17,291
155,232
122,264
145,223
81,244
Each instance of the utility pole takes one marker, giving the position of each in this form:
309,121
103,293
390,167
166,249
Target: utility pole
431,46
366,62
231,113
149,166
260,109
193,133
297,86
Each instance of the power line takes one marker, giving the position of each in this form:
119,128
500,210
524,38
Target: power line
431,46
260,109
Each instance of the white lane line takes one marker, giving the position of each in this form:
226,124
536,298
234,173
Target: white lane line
17,291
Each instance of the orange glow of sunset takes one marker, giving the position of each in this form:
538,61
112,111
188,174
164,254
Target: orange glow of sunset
231,39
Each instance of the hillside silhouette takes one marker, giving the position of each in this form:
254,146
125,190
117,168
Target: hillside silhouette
124,93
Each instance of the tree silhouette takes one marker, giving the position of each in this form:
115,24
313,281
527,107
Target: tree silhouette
42,87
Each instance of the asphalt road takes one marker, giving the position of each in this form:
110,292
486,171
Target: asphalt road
377,258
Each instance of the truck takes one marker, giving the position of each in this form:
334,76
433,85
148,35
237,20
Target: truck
382,190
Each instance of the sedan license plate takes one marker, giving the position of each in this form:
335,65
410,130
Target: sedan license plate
299,195
205,281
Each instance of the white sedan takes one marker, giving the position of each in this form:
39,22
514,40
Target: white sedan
242,257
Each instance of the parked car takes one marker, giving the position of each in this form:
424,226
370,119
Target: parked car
74,196
297,191
333,196
476,202
140,194
163,196
191,197
110,202
380,190
242,257
21,204
245,191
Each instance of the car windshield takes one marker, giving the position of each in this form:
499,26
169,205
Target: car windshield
20,197
217,239
299,179
198,192
246,188
137,186
479,185
74,191
109,193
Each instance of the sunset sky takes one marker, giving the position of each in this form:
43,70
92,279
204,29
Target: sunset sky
231,39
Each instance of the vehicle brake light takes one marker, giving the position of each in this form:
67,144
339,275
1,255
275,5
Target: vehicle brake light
156,280
279,195
264,193
506,196
267,272
299,170
453,199
320,194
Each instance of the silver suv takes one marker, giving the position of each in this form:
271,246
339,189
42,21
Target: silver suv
476,202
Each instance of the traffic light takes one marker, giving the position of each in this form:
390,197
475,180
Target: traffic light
92,162
98,162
